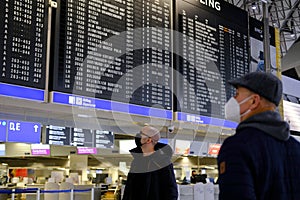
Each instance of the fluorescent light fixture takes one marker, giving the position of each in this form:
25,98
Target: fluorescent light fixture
293,35
84,116
253,6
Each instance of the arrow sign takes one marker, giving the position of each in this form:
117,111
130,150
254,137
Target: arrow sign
36,128
27,132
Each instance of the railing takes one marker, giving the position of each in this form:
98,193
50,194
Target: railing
39,192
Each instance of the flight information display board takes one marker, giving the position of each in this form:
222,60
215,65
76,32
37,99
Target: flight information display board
23,33
82,137
213,48
104,50
58,135
256,30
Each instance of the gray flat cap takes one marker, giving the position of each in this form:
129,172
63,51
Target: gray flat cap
265,84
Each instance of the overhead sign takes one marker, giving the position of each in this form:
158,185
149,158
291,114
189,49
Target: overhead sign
40,149
23,40
21,92
200,119
86,150
58,135
214,48
112,55
213,149
3,125
182,147
102,104
104,139
28,132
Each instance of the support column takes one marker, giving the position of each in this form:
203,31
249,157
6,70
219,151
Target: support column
267,59
79,163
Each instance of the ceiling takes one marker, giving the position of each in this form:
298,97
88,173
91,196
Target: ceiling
285,15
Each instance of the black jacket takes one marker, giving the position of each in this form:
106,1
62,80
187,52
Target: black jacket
151,177
261,161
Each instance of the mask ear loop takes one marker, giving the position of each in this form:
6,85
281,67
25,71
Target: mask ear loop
148,137
244,101
245,113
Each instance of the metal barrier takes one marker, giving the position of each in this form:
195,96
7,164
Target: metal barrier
38,192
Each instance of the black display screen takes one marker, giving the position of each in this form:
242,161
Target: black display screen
59,135
23,34
257,30
104,50
82,137
104,139
213,48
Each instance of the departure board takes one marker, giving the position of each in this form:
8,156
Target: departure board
213,48
23,29
82,137
114,50
104,139
92,138
59,135
256,30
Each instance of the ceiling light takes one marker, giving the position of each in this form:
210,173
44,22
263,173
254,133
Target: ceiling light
293,35
292,29
253,6
275,25
84,116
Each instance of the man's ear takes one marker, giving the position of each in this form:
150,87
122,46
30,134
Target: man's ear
149,140
255,101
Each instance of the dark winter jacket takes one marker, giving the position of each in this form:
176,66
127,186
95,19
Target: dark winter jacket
151,177
261,161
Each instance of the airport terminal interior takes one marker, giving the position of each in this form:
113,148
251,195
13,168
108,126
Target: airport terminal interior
80,78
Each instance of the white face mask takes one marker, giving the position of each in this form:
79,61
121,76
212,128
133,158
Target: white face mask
232,109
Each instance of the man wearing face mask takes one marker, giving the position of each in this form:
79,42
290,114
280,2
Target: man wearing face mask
261,160
151,175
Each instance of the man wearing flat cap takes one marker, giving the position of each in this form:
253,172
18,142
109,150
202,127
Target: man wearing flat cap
261,161
151,175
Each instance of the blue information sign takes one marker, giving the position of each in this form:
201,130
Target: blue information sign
102,104
27,132
21,92
3,125
205,120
